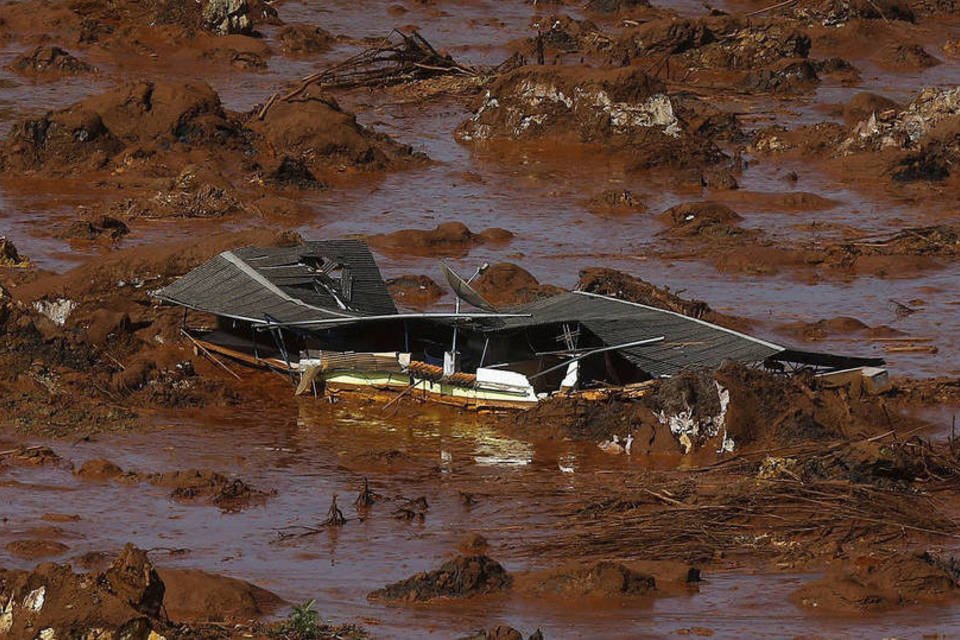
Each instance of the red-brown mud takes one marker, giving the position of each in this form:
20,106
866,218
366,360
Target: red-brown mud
787,170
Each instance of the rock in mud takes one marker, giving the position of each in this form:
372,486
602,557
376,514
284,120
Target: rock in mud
907,128
462,577
879,584
46,60
417,291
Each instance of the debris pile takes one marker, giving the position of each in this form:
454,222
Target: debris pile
906,129
580,105
398,58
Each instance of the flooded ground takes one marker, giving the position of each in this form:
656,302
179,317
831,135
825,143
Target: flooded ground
522,488
301,453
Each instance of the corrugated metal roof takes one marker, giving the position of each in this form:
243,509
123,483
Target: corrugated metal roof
688,342
254,282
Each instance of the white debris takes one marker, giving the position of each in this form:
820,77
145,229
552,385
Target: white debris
47,634
537,103
904,129
56,310
34,600
6,617
689,430
655,111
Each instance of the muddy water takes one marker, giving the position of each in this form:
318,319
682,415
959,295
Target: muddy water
310,452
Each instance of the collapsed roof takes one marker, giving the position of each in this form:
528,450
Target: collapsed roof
329,283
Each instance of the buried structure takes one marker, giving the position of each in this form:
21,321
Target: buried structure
321,312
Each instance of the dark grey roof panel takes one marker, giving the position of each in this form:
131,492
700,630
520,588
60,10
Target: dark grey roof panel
688,342
252,282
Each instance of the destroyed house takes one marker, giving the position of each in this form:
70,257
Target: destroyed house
322,312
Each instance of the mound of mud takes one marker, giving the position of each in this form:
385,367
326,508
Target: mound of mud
417,291
603,579
181,154
126,598
195,596
871,584
701,219
505,284
318,133
34,549
50,60
303,40
101,227
453,239
589,420
109,343
617,284
131,599
143,116
766,55
616,202
624,108
207,486
462,577
502,632
562,34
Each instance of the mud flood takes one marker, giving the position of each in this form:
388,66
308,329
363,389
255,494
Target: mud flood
791,166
